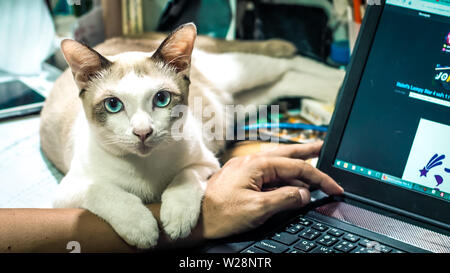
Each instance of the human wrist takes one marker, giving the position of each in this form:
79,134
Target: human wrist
212,217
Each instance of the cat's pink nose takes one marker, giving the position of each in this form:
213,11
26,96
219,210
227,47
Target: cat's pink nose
143,134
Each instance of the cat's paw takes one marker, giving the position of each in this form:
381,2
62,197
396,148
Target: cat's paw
279,48
142,231
179,218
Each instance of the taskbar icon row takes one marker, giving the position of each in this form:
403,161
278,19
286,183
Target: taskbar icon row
383,177
358,169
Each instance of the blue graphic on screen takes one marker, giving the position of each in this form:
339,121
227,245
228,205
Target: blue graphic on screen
435,161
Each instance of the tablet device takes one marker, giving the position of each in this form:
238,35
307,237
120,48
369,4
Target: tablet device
17,99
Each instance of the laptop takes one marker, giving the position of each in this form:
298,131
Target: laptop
388,146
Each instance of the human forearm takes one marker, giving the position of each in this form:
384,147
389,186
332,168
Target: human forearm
49,230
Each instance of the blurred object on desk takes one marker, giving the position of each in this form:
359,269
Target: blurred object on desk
316,112
42,82
132,21
144,17
355,15
304,23
353,29
18,99
298,121
26,36
89,28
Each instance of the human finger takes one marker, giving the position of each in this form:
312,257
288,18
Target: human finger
301,151
282,168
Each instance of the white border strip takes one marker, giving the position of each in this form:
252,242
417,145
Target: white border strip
439,8
429,99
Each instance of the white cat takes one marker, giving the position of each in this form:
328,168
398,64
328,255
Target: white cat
115,140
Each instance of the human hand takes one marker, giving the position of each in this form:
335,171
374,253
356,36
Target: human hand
235,200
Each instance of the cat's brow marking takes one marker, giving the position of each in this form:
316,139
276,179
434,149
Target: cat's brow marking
99,113
142,69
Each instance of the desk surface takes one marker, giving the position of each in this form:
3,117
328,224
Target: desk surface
27,179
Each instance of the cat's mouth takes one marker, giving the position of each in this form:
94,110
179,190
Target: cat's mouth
143,149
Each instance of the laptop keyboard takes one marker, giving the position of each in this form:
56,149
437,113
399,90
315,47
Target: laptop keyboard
309,236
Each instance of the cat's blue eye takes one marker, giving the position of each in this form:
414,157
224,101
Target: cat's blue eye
162,99
113,105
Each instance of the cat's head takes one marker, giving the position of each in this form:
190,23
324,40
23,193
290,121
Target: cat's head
128,98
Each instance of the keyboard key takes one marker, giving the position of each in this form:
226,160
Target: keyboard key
335,232
345,246
305,245
384,249
285,238
294,228
327,240
305,222
375,245
351,237
254,250
309,234
271,246
367,243
323,249
319,227
295,251
361,249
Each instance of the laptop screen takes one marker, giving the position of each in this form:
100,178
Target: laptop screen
398,131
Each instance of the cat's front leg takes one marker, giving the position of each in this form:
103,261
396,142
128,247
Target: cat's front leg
124,211
181,202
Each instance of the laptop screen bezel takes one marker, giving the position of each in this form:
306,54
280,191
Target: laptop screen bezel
403,199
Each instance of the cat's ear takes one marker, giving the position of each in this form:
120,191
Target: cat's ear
177,48
83,61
